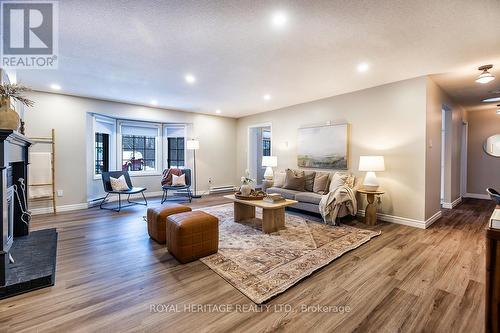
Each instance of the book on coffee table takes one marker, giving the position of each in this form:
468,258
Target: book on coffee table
273,198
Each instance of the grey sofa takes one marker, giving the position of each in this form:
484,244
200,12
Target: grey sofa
308,200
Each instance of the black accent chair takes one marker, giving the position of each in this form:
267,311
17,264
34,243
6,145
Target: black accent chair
186,188
132,190
494,195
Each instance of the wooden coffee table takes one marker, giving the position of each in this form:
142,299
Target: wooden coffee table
273,214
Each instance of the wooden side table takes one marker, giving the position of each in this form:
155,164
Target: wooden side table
371,206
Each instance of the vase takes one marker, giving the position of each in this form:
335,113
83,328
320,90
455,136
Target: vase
245,190
9,119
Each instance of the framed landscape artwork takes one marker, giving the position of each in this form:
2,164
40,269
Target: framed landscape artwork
324,147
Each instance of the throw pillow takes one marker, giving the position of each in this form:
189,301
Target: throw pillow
351,180
119,184
179,180
295,180
309,175
338,179
320,183
279,179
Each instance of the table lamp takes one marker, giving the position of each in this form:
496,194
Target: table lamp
370,164
194,145
269,162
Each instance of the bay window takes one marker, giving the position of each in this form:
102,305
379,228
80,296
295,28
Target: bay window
139,149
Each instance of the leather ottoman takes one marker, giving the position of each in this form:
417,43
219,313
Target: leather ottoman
157,220
192,235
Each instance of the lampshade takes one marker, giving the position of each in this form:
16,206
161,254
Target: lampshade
270,161
192,144
371,163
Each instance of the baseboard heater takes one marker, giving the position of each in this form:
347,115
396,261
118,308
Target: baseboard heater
222,189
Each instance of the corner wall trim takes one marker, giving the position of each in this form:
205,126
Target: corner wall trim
404,220
451,205
477,196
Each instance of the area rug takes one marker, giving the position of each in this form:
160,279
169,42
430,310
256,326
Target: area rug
264,265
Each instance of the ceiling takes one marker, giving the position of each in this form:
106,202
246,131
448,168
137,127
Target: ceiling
138,51
461,86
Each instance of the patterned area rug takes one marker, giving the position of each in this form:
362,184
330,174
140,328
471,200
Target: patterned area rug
264,265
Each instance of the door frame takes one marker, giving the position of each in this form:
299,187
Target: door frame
267,124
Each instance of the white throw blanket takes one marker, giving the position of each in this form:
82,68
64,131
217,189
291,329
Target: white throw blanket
330,204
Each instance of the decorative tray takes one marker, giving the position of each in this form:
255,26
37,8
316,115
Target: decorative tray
255,195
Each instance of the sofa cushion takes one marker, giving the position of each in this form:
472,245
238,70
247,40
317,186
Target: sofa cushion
309,175
295,180
320,182
308,197
279,179
285,193
338,179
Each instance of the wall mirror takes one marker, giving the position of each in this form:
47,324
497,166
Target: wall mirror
492,145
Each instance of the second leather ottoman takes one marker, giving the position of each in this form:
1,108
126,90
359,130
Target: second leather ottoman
192,235
157,220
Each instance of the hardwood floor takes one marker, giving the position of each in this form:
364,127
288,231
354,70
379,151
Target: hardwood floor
109,273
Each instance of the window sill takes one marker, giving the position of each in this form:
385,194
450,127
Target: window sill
144,174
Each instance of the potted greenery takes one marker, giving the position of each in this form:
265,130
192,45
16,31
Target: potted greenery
9,119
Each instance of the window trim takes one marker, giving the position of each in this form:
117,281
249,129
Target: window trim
165,142
158,145
107,120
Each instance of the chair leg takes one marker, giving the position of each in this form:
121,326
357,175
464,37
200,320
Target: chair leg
144,197
119,202
102,202
190,195
164,196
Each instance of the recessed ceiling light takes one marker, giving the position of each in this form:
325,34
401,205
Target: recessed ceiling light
363,67
218,111
190,78
55,86
266,97
485,76
492,99
154,102
279,19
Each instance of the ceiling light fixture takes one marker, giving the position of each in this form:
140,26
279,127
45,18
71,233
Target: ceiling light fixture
485,76
55,86
218,111
491,100
267,97
363,67
279,19
154,102
190,78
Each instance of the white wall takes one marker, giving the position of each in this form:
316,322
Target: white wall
68,115
387,120
436,99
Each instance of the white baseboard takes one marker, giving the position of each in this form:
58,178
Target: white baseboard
64,208
84,205
451,205
477,196
406,221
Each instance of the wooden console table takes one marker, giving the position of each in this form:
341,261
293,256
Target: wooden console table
492,322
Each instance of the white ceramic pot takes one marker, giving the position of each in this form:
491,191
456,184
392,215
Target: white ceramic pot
245,190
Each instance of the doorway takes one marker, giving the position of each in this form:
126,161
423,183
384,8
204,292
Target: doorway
259,145
446,151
